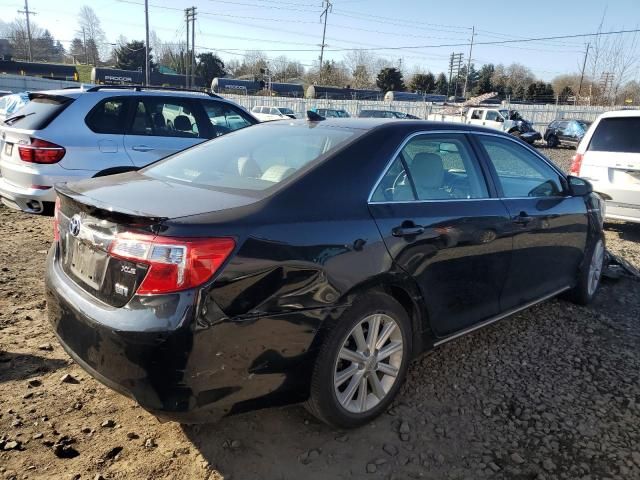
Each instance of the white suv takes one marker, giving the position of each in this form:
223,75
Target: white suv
609,157
267,114
68,135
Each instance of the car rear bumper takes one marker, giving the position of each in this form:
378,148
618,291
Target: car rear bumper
178,364
622,211
27,199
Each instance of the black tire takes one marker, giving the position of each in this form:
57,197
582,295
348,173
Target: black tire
584,293
552,141
323,402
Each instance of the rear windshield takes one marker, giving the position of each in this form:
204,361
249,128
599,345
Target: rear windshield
254,158
285,111
39,112
617,135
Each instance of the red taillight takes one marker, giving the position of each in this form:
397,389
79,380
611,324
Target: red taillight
41,151
174,263
576,164
56,221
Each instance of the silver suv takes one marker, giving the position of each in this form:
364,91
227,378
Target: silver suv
68,135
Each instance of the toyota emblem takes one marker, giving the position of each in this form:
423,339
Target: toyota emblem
74,225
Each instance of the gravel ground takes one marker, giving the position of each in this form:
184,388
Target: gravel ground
550,393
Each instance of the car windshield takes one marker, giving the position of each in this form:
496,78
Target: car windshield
254,159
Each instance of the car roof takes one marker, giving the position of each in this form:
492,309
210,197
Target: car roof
368,123
621,113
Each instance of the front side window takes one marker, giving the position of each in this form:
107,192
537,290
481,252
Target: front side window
252,159
433,167
108,116
164,117
225,118
521,173
492,116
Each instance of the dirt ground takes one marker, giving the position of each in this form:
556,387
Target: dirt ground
550,393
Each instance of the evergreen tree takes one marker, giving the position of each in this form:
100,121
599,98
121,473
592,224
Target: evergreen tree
484,83
422,83
130,56
441,84
209,66
390,79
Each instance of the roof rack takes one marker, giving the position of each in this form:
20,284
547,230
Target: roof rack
139,88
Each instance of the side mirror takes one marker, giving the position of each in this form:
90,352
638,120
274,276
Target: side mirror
500,120
579,187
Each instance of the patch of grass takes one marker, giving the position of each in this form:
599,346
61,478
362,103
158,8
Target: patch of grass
84,73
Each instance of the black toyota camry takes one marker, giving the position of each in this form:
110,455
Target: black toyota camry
310,262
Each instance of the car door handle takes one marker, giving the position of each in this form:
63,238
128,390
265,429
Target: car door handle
142,148
522,219
407,231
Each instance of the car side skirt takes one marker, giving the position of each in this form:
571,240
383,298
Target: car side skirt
491,320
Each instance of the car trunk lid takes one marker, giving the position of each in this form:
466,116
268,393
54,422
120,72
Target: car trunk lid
93,215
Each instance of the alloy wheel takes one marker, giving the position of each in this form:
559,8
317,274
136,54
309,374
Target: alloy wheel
368,363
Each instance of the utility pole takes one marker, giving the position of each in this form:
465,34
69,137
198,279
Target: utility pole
584,65
466,79
147,68
28,12
190,58
193,47
455,63
328,7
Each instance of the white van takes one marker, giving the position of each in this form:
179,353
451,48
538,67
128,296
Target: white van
609,157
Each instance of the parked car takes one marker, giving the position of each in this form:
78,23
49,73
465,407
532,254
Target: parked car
385,114
267,114
505,120
204,285
565,132
12,103
72,134
609,157
332,113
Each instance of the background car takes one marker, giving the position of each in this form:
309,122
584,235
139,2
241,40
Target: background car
609,157
385,114
332,113
64,135
565,132
267,114
12,103
204,285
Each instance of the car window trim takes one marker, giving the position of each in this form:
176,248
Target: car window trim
404,143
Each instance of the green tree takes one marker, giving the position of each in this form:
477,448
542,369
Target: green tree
130,56
422,83
484,84
209,66
565,94
390,79
441,84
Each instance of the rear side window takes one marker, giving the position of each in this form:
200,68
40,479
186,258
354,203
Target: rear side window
433,167
252,159
39,112
108,116
165,117
617,135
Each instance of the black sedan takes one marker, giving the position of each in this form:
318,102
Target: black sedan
565,132
310,262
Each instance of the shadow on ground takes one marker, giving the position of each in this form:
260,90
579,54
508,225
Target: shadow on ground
20,366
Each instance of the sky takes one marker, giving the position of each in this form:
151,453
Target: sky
293,28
